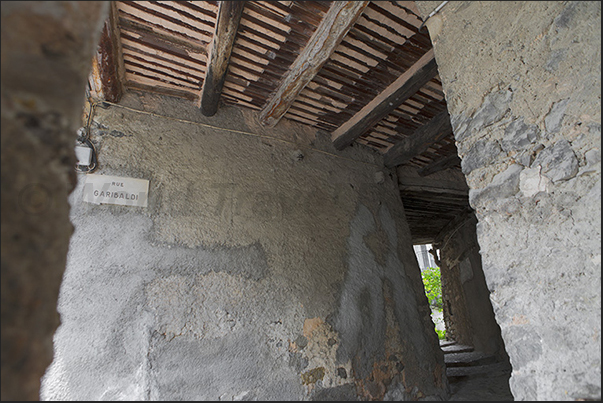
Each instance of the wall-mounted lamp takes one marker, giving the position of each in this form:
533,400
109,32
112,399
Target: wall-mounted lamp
85,152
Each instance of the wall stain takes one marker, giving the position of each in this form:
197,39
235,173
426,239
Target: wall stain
313,375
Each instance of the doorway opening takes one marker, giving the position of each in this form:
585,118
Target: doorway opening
432,283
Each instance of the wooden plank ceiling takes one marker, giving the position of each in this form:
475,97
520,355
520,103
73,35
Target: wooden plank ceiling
363,71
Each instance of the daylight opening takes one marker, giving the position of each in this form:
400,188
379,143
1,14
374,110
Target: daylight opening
432,281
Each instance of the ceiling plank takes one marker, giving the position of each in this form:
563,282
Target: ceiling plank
387,101
159,89
334,26
433,131
109,60
148,31
227,25
440,165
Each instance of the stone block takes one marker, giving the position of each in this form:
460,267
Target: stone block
505,184
519,135
532,182
558,162
482,153
552,120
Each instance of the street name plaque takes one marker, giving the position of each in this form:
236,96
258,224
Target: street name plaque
105,189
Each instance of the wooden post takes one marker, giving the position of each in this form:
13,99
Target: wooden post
108,61
229,16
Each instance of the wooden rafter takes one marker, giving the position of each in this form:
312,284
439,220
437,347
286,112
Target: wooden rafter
440,165
387,101
229,16
146,32
334,26
433,131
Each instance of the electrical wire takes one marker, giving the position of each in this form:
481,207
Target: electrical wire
434,12
84,138
229,130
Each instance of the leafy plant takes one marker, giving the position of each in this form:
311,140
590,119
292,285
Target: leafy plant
432,282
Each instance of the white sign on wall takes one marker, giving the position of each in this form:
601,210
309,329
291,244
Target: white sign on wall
116,190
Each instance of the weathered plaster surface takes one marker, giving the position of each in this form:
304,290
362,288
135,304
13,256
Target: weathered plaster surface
258,270
523,86
46,52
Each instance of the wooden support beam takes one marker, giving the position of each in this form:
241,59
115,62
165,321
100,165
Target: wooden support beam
440,186
109,60
433,131
387,101
440,165
227,25
117,48
334,26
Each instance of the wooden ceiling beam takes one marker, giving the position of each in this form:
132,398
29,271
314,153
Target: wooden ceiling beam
387,101
109,59
440,165
227,25
334,26
433,131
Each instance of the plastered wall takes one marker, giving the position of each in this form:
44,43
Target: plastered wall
523,85
265,267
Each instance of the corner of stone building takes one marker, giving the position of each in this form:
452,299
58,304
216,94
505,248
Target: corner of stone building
523,86
46,49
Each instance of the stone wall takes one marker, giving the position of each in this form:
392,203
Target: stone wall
265,267
46,53
468,313
523,85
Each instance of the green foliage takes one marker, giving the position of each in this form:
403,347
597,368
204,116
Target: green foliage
433,286
432,282
438,320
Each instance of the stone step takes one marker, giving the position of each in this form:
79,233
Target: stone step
457,374
468,359
444,343
456,348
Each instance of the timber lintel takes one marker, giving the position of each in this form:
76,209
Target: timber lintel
434,130
387,101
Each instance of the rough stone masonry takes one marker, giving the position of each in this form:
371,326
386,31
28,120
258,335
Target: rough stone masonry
46,53
523,86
